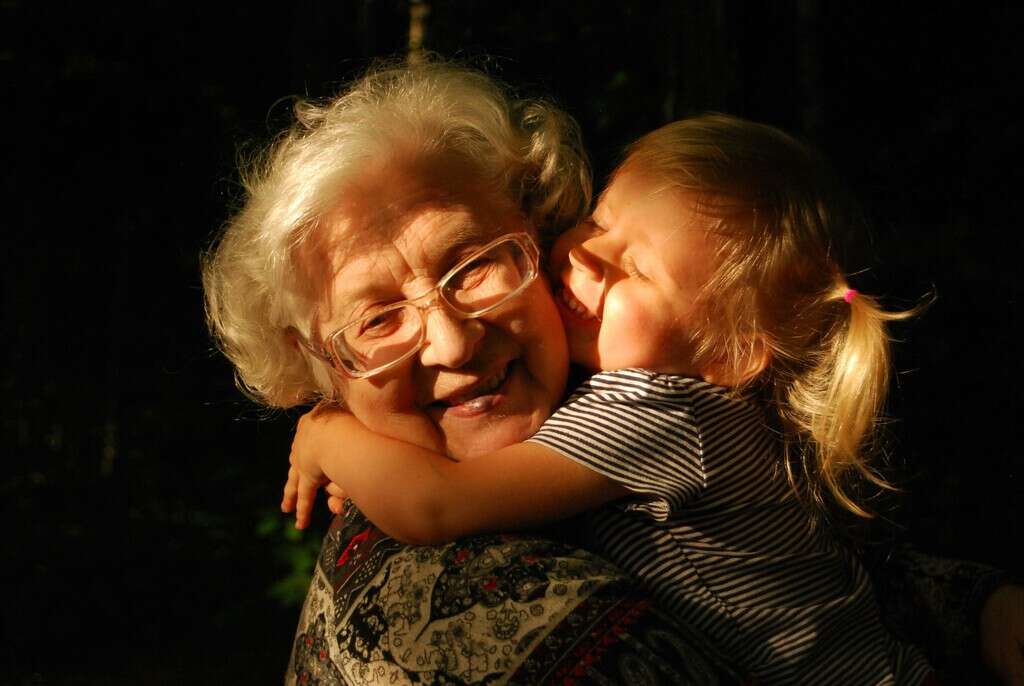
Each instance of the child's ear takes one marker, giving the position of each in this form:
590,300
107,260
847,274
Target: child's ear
758,358
743,370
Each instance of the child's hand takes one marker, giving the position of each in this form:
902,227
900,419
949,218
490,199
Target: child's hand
316,440
336,497
300,494
1002,634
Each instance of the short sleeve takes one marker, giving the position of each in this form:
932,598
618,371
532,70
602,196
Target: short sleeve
638,429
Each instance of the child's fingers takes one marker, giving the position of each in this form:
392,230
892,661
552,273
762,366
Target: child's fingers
304,503
335,498
291,488
335,490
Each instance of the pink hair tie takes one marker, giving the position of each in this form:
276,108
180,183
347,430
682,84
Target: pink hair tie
849,295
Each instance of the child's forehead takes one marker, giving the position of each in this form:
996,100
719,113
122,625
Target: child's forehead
633,187
630,190
633,184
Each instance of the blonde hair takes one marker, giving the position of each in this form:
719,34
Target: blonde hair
528,151
779,295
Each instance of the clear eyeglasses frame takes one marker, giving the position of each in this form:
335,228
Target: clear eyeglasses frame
388,336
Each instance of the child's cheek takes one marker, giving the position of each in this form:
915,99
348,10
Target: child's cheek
626,332
640,330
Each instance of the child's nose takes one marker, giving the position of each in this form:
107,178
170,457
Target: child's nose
586,262
571,238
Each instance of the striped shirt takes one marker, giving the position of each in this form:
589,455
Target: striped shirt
713,533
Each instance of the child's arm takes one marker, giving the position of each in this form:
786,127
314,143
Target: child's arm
419,496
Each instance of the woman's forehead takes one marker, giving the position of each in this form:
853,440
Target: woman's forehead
392,203
422,246
399,219
399,252
423,233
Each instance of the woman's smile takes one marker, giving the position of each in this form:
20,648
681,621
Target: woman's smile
477,398
476,382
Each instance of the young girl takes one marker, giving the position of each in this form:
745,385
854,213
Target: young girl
742,379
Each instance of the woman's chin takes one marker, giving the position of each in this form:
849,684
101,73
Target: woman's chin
498,433
511,415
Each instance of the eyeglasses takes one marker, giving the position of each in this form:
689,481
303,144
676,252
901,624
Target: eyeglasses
480,283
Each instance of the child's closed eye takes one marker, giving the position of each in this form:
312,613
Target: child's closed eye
629,266
594,228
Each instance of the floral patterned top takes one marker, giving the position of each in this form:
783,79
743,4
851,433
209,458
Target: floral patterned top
518,609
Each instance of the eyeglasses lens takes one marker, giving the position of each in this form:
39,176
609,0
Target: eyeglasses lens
488,279
483,283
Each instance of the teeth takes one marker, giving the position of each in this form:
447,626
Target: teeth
575,305
483,389
476,404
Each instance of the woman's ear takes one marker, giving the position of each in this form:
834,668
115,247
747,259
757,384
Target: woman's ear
293,338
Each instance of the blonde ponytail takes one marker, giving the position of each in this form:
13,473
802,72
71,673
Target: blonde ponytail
830,406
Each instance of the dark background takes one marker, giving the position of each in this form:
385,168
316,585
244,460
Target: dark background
141,539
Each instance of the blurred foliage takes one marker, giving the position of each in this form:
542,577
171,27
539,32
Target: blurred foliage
297,551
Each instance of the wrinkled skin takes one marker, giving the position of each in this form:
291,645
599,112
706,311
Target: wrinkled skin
511,363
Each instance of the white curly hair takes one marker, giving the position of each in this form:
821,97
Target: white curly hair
528,151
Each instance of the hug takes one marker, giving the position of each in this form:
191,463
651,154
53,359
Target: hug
390,262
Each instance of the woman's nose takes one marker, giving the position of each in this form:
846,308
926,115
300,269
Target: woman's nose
450,341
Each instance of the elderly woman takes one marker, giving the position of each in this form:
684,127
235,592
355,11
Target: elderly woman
374,215
391,197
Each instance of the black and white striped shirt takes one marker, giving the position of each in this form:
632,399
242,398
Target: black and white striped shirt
714,534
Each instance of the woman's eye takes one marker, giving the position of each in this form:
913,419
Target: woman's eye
380,324
473,274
